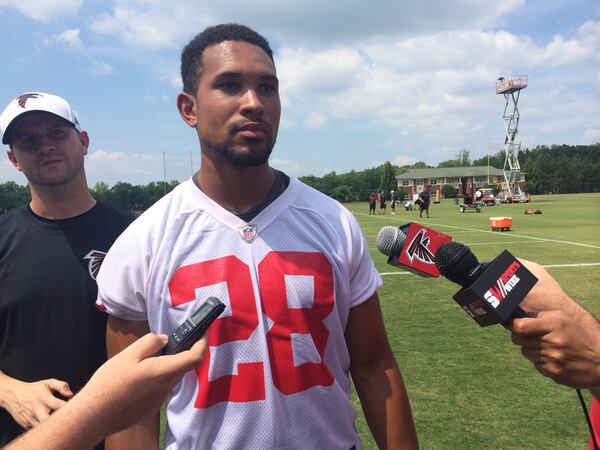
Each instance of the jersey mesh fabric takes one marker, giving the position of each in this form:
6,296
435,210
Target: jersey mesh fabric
288,295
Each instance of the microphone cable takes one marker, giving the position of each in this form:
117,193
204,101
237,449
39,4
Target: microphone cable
587,418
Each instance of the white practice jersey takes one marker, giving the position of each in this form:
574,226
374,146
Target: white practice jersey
276,374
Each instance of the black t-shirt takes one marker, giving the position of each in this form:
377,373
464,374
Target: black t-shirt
49,324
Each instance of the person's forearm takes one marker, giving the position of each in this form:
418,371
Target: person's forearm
386,407
72,427
145,434
142,436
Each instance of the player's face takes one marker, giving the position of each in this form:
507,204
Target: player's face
48,150
237,103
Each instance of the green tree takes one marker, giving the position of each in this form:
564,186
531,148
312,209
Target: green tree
448,191
449,163
101,192
388,180
13,195
343,193
464,158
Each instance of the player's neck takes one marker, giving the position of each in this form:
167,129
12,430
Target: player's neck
234,187
61,202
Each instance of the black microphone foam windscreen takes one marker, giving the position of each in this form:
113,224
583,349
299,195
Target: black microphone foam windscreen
455,261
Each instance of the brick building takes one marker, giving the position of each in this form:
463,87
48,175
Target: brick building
464,179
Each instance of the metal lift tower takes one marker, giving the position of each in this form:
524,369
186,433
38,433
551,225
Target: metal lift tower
511,89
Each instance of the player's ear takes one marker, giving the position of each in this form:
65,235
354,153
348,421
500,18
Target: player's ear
13,159
186,104
85,141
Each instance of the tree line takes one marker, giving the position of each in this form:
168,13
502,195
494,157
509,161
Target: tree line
548,169
556,169
121,195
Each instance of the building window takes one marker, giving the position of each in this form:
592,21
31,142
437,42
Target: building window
480,181
406,183
453,181
420,182
433,181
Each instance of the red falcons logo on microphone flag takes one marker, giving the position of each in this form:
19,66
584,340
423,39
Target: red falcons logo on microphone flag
419,250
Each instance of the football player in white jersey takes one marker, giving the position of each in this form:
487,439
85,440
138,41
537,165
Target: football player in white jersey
291,264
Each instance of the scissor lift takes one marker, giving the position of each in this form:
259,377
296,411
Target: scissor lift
511,89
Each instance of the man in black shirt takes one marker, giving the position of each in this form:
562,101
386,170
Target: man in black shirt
52,336
424,203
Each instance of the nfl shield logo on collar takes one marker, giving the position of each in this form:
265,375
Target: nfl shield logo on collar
248,231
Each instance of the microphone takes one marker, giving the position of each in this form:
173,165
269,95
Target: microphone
390,240
491,292
411,247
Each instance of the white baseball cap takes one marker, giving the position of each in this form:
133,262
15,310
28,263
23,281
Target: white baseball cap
35,102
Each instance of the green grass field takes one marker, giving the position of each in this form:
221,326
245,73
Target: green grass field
469,387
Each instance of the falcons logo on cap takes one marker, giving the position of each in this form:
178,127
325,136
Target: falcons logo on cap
419,248
22,99
96,257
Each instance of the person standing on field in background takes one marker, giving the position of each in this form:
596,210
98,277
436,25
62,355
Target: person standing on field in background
53,337
424,203
372,203
291,264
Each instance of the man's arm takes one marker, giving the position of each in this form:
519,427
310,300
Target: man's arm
378,379
144,435
31,403
126,388
563,341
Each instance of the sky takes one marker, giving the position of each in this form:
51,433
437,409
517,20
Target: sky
361,82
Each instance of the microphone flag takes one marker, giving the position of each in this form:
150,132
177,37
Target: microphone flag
417,255
496,293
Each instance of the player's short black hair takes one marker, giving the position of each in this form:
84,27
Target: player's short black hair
191,56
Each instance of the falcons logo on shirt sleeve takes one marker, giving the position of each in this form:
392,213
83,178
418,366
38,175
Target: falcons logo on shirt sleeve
95,261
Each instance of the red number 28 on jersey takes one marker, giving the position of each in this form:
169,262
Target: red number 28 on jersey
249,384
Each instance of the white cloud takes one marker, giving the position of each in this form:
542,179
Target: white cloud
315,120
153,25
290,167
161,23
164,23
43,10
136,168
439,86
68,38
101,68
592,135
172,80
286,123
324,72
403,160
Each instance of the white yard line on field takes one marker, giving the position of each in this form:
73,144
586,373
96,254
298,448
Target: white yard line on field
384,274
